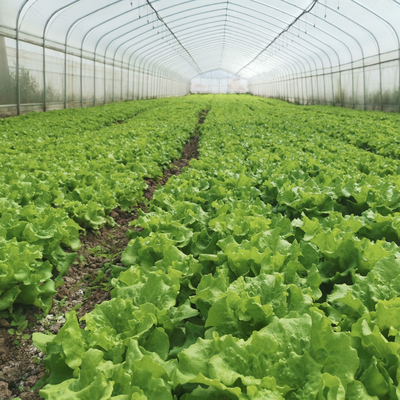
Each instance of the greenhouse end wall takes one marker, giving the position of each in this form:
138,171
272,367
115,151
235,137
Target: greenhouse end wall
369,84
44,73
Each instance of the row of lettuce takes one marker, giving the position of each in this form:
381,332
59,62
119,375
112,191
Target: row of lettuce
377,133
268,270
64,171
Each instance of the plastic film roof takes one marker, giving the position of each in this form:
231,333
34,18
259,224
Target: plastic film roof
248,38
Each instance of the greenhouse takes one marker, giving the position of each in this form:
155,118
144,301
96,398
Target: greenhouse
79,53
200,200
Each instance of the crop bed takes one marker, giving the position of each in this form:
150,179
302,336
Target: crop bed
268,269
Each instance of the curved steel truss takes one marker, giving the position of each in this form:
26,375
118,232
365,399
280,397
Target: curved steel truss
264,41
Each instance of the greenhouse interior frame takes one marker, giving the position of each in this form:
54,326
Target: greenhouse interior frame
76,53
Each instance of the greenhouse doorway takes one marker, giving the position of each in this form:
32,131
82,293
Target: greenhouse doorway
219,82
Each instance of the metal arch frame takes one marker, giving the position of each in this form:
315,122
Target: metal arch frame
214,67
304,40
308,42
149,49
116,50
161,10
142,47
380,61
94,53
66,42
169,78
174,61
305,46
343,15
128,23
28,8
285,55
226,20
341,30
123,56
398,3
315,39
325,32
77,21
306,22
125,33
211,11
291,15
354,22
373,37
139,69
65,88
159,56
17,23
48,22
285,28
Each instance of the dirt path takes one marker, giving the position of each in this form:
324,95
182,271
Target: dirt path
87,283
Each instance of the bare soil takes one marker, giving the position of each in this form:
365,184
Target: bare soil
87,283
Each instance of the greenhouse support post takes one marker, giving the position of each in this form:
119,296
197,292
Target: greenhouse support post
65,75
380,82
398,94
17,59
94,79
113,80
44,76
81,77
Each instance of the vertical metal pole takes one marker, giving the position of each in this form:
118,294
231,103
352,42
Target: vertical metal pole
148,85
352,84
105,81
333,89
133,81
65,74
128,82
139,81
113,80
364,83
94,78
316,77
17,74
298,89
340,87
81,77
312,90
398,94
44,75
122,75
380,81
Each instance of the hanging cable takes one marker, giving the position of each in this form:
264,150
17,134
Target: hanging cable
196,66
304,12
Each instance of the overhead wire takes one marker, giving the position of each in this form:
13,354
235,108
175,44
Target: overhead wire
275,40
196,66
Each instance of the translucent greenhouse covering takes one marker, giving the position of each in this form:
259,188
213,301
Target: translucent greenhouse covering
219,81
75,53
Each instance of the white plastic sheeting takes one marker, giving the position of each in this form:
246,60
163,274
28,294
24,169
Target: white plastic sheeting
218,81
343,52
